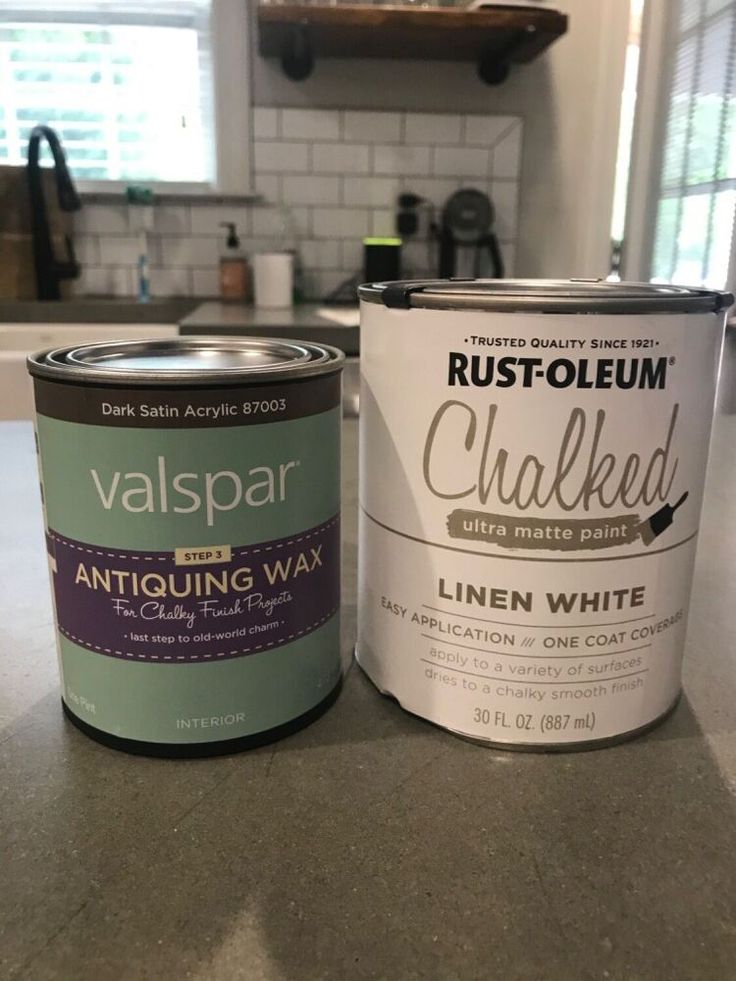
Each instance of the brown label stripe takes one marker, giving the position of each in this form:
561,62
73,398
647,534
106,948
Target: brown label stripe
187,408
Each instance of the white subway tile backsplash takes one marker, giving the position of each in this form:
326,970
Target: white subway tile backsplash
277,227
461,162
154,250
432,128
281,157
105,219
505,195
340,158
185,252
419,259
270,222
206,219
508,254
112,281
171,219
401,160
434,189
205,282
268,186
351,255
318,284
369,192
487,130
120,251
320,253
299,222
249,246
383,223
310,190
341,222
87,249
265,123
327,178
170,282
79,286
372,127
507,155
310,124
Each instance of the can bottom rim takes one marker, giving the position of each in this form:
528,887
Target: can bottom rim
219,747
583,746
573,747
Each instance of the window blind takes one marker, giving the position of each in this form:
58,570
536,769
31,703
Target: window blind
697,177
127,85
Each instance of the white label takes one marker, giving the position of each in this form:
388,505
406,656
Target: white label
530,490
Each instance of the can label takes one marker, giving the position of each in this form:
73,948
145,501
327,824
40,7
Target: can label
529,515
194,546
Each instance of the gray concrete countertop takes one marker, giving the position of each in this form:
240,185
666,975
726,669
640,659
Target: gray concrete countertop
194,317
302,321
91,310
370,845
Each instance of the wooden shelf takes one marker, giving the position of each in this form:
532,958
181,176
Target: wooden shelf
494,38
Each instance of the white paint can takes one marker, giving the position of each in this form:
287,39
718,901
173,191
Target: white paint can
532,464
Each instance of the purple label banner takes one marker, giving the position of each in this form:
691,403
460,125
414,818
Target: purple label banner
143,606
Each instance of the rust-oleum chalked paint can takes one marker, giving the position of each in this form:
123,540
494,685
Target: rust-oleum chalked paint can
531,477
192,501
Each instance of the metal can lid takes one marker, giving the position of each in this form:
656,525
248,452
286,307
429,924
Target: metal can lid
545,296
186,361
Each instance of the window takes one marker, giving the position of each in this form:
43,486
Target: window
130,87
682,231
625,135
692,242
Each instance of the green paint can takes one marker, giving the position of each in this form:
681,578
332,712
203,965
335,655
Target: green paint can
191,493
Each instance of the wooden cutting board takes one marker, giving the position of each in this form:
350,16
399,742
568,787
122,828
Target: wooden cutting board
17,272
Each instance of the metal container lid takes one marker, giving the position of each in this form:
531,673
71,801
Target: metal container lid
186,361
545,296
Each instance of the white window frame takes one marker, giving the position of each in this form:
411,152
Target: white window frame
650,124
230,27
647,140
598,178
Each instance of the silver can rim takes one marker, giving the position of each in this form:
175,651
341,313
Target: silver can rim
66,365
580,296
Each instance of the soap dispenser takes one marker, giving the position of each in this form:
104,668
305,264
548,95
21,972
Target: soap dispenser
234,271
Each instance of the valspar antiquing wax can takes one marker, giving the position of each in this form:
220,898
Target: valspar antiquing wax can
191,492
532,465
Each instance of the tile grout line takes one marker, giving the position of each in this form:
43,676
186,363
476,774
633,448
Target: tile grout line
363,208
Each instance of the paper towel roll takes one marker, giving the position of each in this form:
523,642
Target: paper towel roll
273,275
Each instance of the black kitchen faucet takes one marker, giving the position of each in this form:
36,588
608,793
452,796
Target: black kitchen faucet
50,270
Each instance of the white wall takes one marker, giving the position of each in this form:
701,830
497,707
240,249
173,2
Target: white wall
569,164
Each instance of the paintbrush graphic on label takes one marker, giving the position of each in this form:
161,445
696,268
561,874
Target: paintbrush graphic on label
659,521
